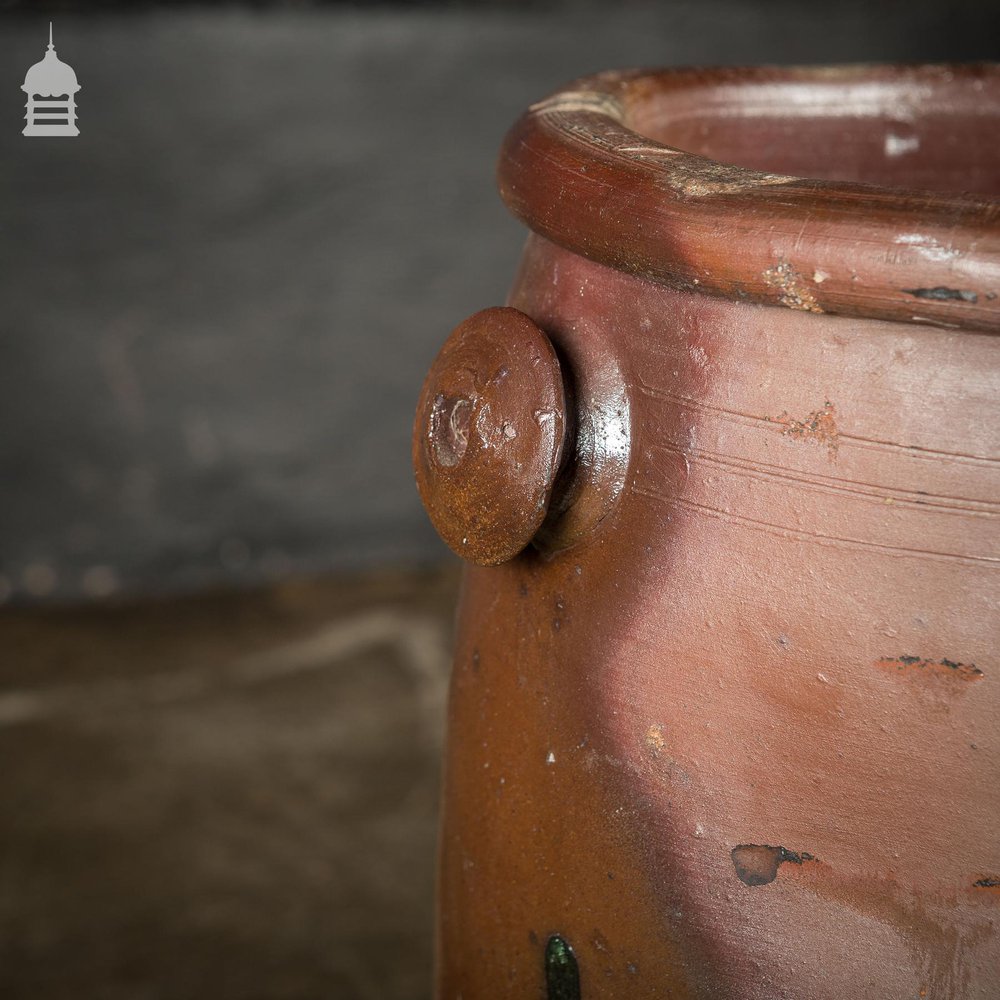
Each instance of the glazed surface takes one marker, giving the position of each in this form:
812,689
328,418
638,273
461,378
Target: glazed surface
858,191
734,735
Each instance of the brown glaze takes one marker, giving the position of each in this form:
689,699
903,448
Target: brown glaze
714,181
489,435
728,728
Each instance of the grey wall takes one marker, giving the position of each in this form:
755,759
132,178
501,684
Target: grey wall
219,301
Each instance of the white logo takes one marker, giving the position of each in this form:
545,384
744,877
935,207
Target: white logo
51,88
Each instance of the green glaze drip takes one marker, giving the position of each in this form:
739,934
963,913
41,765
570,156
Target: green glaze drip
562,975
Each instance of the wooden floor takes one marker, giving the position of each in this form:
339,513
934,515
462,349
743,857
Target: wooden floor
224,797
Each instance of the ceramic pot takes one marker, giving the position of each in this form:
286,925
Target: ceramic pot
724,711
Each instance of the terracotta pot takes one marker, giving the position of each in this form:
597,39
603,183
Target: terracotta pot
724,709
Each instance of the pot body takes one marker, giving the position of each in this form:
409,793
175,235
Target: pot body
729,728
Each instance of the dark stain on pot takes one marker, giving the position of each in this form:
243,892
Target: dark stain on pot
562,974
758,864
942,294
931,668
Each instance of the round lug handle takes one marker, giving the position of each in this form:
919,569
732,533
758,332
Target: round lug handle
489,434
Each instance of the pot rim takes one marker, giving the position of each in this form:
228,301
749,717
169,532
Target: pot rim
577,169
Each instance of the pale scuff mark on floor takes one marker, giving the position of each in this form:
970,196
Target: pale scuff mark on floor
419,641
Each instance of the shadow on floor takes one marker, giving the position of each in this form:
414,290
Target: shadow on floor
230,797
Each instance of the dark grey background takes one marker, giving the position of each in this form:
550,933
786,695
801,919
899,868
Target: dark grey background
219,301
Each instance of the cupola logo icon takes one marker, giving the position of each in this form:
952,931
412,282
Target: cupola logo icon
51,87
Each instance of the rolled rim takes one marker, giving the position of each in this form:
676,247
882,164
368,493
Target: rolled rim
580,169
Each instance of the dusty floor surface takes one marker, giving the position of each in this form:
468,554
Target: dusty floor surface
229,797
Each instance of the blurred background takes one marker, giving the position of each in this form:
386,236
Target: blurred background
224,618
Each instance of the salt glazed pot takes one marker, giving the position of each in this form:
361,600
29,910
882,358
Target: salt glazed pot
724,709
